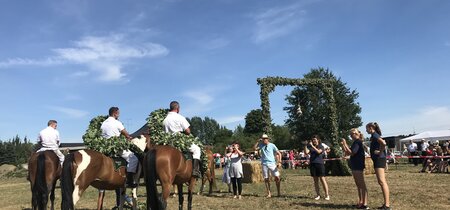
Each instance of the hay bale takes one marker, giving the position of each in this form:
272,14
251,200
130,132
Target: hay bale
369,166
252,172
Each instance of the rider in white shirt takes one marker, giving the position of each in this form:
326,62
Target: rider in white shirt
176,123
113,127
49,140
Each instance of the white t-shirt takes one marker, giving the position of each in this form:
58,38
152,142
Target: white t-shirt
49,137
412,147
111,127
424,147
175,122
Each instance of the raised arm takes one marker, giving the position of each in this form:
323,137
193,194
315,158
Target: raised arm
255,147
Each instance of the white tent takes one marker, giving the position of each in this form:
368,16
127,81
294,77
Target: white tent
432,136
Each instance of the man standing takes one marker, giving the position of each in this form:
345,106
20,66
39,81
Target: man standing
176,123
113,127
412,149
49,139
270,160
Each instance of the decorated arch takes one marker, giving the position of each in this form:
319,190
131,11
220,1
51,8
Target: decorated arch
268,85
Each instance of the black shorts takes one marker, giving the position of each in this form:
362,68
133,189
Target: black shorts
379,162
317,169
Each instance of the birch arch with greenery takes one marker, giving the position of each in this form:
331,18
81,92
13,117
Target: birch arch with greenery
268,85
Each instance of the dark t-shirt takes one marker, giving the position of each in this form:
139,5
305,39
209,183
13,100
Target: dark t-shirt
357,160
374,145
314,156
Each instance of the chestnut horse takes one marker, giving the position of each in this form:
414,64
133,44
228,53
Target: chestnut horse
88,167
169,165
210,174
44,170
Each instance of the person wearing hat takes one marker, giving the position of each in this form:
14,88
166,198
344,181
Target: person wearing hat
270,161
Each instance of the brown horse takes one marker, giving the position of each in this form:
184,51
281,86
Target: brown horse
44,170
88,167
210,174
167,164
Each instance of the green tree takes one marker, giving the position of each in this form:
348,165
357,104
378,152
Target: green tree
204,129
282,137
15,151
254,122
314,110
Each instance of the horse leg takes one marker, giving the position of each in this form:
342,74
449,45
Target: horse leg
190,188
202,186
180,196
134,194
136,178
101,195
175,190
211,184
122,197
165,194
52,196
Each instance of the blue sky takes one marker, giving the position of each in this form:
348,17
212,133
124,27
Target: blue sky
72,60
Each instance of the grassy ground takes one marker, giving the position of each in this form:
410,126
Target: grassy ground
409,190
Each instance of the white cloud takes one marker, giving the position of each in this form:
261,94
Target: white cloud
72,113
231,119
106,55
426,119
200,97
277,22
30,62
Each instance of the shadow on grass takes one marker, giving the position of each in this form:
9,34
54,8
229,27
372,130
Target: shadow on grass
323,205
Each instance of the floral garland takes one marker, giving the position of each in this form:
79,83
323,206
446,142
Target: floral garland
178,140
111,147
268,85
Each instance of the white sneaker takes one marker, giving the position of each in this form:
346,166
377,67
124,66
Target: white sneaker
327,198
317,198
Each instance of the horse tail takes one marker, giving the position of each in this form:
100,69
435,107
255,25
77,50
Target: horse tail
40,189
67,186
150,179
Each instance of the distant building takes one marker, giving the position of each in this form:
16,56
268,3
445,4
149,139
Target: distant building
71,146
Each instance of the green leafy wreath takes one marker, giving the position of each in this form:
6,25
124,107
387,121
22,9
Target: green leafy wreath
111,147
178,140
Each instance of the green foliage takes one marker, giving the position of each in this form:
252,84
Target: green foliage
326,113
254,122
204,129
111,147
15,151
178,140
282,137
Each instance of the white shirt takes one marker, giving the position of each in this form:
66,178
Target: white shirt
49,138
412,147
425,145
111,127
175,122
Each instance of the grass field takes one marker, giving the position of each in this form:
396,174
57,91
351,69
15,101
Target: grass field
409,190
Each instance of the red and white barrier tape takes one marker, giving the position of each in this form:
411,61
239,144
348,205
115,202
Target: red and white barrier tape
387,157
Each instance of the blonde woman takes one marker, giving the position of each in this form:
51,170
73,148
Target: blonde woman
378,155
357,164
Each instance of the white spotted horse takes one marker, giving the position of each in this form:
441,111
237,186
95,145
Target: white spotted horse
85,168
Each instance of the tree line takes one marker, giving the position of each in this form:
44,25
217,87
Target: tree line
15,151
298,128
